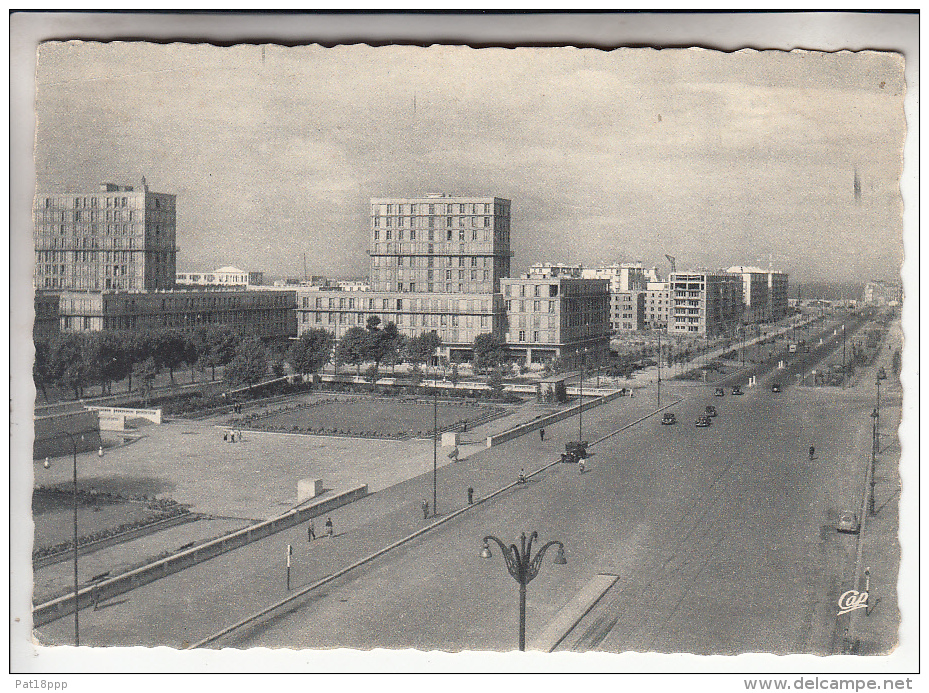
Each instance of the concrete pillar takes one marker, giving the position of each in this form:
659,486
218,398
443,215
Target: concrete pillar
528,357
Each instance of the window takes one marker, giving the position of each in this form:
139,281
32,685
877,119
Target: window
377,234
412,232
522,335
461,234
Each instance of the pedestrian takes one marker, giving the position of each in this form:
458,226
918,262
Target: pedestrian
453,455
100,452
542,435
310,532
47,464
812,452
95,595
580,465
631,393
470,495
329,526
425,507
522,476
464,428
225,436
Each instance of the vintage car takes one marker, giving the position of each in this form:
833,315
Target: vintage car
669,419
710,410
719,392
703,422
848,523
775,387
736,390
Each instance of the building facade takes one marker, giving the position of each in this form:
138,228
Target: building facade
439,244
657,305
881,293
548,269
557,317
764,294
705,303
265,313
457,318
777,295
117,237
46,320
224,276
627,311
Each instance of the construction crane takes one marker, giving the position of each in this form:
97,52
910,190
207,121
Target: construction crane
673,265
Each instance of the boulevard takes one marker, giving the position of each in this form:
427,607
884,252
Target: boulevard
721,540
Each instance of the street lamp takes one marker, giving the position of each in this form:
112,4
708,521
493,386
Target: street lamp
874,419
580,409
71,436
523,567
659,369
435,429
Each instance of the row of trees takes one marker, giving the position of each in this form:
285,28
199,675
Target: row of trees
78,360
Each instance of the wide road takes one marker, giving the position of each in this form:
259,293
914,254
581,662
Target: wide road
719,537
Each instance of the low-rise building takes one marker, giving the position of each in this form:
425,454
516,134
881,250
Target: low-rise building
224,276
705,303
557,317
457,318
250,312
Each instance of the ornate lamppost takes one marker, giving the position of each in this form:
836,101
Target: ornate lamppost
523,567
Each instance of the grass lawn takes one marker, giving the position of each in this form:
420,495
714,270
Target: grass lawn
386,417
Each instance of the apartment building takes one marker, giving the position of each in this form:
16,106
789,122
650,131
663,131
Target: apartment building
705,303
118,237
627,311
557,317
657,305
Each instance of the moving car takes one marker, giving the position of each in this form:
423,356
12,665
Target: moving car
775,387
703,422
737,390
848,523
710,410
668,419
720,392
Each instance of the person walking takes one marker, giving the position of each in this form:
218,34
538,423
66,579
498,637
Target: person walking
453,455
470,495
310,532
329,526
425,507
812,452
541,435
522,477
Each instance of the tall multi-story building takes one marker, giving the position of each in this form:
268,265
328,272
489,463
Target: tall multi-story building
627,311
116,237
764,294
224,276
777,295
705,303
557,317
549,269
623,276
440,244
436,263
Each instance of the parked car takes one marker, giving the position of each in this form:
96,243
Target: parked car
710,410
848,523
775,387
881,373
719,392
669,419
703,422
737,390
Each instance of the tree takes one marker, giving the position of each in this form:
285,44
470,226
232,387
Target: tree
453,376
146,371
44,367
311,351
215,346
116,358
416,376
372,374
421,348
249,365
170,350
353,347
381,343
71,364
489,352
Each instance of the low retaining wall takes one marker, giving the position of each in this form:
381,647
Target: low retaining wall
55,433
530,426
115,413
106,589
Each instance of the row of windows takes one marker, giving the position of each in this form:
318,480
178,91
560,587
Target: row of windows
533,306
533,290
420,261
399,304
431,288
108,229
108,201
551,321
385,209
414,319
449,235
432,222
475,275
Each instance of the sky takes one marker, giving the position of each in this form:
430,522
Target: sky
717,159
